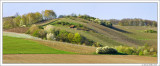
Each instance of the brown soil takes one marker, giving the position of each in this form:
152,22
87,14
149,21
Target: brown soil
81,49
17,30
70,58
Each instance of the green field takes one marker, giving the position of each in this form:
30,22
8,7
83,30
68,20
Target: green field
13,45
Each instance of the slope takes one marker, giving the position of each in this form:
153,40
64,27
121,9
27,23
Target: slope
104,35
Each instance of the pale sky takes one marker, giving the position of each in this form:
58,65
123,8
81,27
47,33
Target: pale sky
98,10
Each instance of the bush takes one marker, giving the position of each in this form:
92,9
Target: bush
42,33
126,50
36,33
129,50
145,52
50,36
49,29
105,50
70,37
77,38
97,44
150,31
140,53
120,49
141,50
33,28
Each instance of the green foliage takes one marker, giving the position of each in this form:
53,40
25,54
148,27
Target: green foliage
140,53
8,23
22,21
150,31
97,44
36,33
141,50
146,52
106,23
17,21
77,38
49,14
137,22
106,50
70,37
63,35
33,28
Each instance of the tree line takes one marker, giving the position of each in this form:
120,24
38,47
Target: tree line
133,22
89,18
108,23
28,19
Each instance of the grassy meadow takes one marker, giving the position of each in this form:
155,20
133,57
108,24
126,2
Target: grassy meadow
14,45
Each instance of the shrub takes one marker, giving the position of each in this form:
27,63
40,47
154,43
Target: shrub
36,33
129,50
120,49
49,29
140,53
50,36
151,50
145,52
150,31
77,38
70,37
154,54
141,50
42,33
105,50
97,44
33,28
63,35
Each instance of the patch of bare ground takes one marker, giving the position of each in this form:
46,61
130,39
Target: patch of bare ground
73,58
17,30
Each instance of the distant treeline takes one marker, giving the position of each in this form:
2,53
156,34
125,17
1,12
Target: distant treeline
133,22
108,23
32,18
27,19
89,18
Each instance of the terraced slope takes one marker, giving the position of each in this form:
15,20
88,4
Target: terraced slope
102,34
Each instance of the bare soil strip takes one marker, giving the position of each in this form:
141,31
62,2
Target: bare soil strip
72,58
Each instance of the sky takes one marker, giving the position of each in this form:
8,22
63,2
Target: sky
98,10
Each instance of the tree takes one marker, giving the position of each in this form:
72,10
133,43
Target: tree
17,21
8,23
30,18
38,16
97,21
49,14
77,38
61,16
70,37
23,20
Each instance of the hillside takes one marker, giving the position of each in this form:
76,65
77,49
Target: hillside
104,35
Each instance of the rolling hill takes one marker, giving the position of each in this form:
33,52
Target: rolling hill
116,36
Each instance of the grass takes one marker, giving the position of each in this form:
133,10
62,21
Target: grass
139,34
14,45
108,36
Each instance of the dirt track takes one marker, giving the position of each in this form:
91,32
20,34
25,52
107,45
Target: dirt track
68,58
